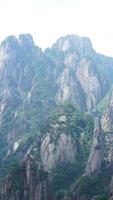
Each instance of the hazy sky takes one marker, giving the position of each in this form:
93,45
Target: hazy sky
47,20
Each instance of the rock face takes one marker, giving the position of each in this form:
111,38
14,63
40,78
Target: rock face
90,82
97,151
64,151
25,183
45,129
83,78
58,147
107,118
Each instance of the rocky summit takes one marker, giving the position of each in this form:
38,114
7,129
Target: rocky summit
56,120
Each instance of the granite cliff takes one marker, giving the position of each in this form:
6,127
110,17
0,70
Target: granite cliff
56,114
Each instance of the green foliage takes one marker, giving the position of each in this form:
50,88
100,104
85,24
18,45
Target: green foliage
59,195
75,119
26,139
88,133
96,185
17,178
75,124
43,175
101,107
64,176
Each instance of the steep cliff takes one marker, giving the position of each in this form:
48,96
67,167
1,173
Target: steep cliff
49,148
51,158
97,151
84,78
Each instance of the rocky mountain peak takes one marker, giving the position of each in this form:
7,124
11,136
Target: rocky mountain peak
22,42
26,40
10,44
74,43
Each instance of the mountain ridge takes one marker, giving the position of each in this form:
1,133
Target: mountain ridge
56,110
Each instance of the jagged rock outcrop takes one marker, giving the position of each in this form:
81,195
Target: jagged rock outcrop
58,146
90,82
58,152
107,117
96,157
25,182
82,78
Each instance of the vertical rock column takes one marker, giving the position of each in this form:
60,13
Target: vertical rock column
96,155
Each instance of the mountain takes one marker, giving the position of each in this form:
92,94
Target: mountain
56,114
